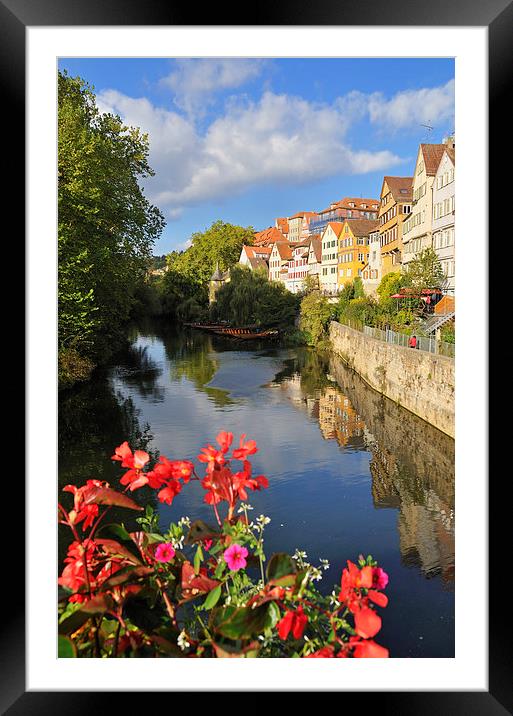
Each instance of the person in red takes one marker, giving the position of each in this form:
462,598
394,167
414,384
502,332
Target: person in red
412,342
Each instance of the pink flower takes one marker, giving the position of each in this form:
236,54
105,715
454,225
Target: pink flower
235,557
164,552
379,578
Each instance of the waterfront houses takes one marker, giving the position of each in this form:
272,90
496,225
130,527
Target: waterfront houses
297,266
417,229
443,216
353,248
395,207
299,225
255,257
372,271
346,208
329,257
268,236
314,257
278,261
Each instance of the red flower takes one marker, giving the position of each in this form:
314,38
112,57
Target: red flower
378,598
245,448
81,512
353,580
214,458
370,650
218,482
225,440
293,621
137,460
168,493
367,623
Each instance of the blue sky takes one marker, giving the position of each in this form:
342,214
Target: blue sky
247,140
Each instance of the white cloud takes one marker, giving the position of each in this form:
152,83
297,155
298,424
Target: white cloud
413,107
277,139
195,81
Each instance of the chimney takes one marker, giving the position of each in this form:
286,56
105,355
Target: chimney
450,142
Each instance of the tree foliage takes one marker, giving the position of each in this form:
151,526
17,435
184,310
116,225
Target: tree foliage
220,244
315,315
106,225
425,271
250,299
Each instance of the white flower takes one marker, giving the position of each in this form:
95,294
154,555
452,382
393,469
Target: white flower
244,506
182,641
184,521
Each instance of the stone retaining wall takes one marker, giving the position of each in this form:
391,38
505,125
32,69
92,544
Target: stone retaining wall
419,381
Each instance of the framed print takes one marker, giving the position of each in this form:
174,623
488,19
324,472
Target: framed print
453,656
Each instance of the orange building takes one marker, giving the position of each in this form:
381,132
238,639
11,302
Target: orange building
353,248
396,203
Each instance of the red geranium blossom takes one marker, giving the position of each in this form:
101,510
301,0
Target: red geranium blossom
245,448
370,650
168,493
293,621
367,623
136,460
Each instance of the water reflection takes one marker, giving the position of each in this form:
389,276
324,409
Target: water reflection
412,464
349,470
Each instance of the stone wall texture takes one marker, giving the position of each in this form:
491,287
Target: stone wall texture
419,381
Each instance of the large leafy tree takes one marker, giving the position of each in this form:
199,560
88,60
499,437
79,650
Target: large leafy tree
106,225
220,244
425,271
250,299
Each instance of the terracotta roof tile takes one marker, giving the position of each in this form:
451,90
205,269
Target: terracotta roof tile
268,236
362,227
432,154
401,188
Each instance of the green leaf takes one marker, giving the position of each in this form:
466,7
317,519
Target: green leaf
219,570
94,606
118,531
281,570
242,622
198,559
212,598
66,648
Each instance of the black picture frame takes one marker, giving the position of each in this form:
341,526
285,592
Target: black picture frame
497,15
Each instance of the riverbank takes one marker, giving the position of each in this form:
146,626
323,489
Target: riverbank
419,381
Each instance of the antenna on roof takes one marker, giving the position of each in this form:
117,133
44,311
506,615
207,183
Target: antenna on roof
429,129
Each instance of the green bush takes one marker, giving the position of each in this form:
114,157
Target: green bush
315,315
72,367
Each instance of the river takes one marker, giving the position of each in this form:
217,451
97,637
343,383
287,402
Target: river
350,472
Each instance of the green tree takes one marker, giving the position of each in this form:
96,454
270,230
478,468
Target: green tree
315,315
425,271
250,299
106,225
220,244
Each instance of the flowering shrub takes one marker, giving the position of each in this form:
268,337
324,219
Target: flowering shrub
199,590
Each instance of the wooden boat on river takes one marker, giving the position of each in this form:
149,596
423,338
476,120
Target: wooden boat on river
241,333
247,334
